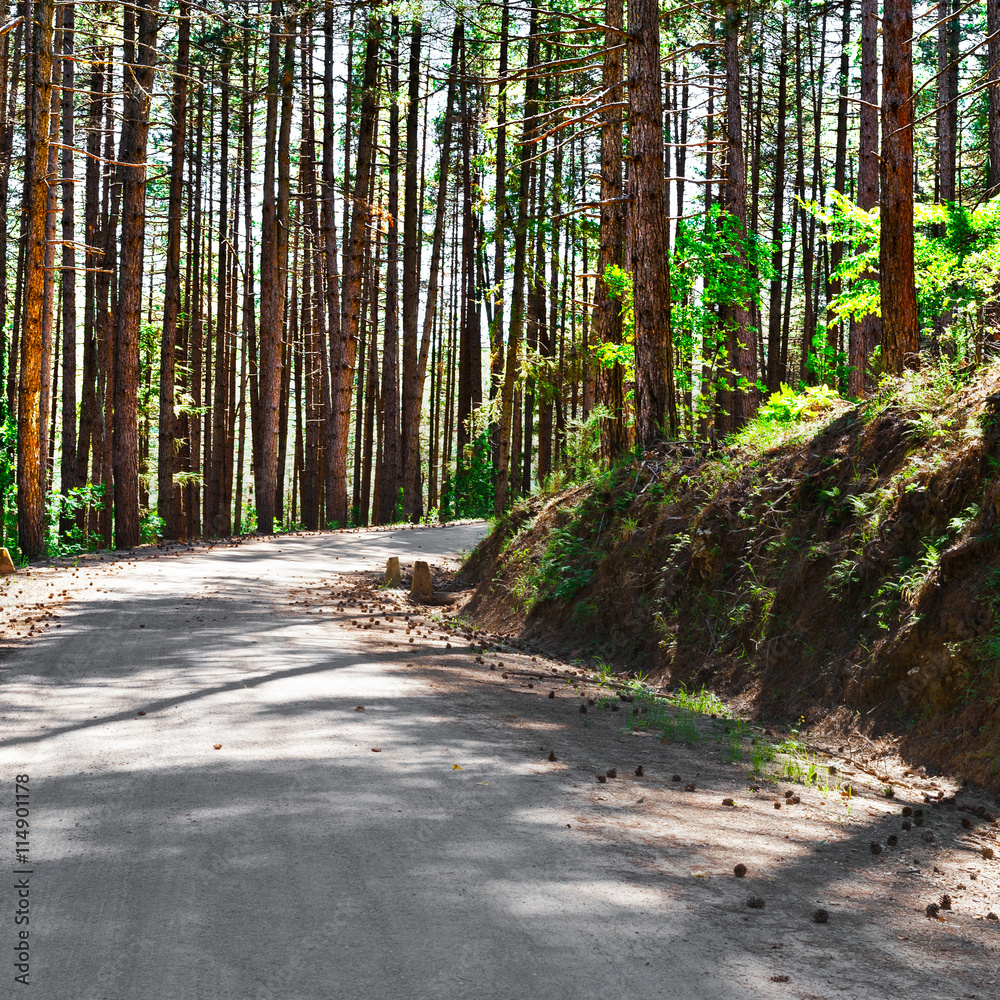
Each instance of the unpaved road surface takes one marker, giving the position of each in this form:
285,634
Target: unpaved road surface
331,795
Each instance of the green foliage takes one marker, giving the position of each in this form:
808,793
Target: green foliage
956,259
151,527
619,286
8,513
788,406
565,568
469,490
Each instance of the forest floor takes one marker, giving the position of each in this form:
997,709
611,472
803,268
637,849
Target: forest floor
254,773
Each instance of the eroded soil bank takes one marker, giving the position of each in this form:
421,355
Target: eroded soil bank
842,567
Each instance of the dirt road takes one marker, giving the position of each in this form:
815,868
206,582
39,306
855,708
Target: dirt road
253,775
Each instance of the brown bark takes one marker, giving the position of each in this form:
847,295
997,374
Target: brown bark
389,478
834,286
774,372
30,472
742,343
655,407
506,456
993,120
168,496
410,443
608,310
470,340
947,106
347,349
865,333
900,336
274,264
70,477
135,130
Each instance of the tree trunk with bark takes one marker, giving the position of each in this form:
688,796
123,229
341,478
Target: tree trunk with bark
650,246
736,316
900,335
30,471
610,390
140,62
343,377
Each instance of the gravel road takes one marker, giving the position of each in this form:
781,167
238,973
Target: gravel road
246,782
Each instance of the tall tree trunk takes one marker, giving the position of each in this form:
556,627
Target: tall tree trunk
168,495
654,385
993,120
834,286
777,229
412,442
140,61
411,293
607,309
353,273
500,235
331,276
389,454
30,472
900,335
69,469
506,457
946,104
470,340
865,333
217,510
273,278
742,342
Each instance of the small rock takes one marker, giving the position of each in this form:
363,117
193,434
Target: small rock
740,870
755,902
821,916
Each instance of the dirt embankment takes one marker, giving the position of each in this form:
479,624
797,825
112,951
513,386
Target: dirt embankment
845,569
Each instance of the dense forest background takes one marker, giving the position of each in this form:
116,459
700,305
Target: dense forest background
270,265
